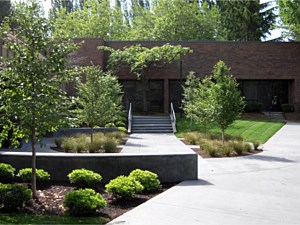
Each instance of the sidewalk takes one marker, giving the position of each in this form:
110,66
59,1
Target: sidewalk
262,189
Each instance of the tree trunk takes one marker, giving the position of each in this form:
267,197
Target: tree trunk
205,129
33,167
92,135
223,136
191,123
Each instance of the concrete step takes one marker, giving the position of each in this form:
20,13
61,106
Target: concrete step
151,124
275,115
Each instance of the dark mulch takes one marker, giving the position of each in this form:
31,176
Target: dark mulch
51,199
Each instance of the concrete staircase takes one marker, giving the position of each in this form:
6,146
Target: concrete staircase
278,116
151,124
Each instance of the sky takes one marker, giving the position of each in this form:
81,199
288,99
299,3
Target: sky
274,33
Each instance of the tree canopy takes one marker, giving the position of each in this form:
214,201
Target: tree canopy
139,60
289,12
246,20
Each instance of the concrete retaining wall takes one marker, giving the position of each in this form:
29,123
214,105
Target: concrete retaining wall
169,167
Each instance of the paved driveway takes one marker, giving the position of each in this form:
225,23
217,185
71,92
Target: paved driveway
255,190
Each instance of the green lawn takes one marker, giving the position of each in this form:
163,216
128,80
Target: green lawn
31,219
251,129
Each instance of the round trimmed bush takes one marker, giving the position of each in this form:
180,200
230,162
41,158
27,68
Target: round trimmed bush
124,187
14,197
41,175
84,178
7,172
148,179
83,202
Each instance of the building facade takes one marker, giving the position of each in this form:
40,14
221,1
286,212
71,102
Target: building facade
268,72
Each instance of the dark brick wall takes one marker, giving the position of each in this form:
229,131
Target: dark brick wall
248,60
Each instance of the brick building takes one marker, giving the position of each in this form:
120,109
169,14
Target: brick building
265,70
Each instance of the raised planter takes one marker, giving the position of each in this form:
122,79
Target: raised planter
173,167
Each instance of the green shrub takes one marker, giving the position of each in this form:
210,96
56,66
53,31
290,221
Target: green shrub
124,187
238,147
41,175
192,137
69,144
7,172
256,144
81,143
122,129
287,108
120,124
226,150
94,147
14,197
110,146
84,178
148,179
58,142
212,147
253,106
83,202
247,147
108,125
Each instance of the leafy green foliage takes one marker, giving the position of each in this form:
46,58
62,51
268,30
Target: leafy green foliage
110,145
83,202
246,20
7,172
225,100
124,187
148,179
31,99
99,98
84,178
134,20
139,60
41,175
289,12
13,197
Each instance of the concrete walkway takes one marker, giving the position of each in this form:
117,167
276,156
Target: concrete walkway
262,189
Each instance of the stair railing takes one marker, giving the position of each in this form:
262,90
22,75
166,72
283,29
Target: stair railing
173,118
129,118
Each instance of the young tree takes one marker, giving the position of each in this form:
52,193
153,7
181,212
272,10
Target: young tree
32,102
190,97
140,60
100,98
195,102
225,100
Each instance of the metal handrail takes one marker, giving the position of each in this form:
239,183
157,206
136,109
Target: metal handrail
173,118
129,118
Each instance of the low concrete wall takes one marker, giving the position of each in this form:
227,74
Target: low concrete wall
169,167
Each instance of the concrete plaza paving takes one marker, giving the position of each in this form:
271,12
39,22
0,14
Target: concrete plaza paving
262,189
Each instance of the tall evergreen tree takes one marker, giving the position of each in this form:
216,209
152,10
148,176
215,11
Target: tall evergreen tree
246,20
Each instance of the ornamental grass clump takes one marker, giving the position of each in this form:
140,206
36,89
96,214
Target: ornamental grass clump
83,202
110,145
7,172
192,137
124,187
148,179
84,178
